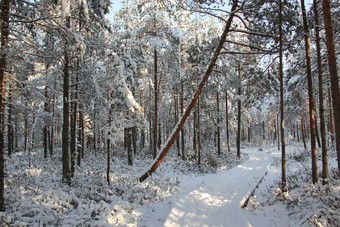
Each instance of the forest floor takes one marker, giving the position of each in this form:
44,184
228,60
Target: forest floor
179,193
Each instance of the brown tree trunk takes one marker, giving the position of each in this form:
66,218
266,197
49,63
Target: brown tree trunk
66,114
333,73
282,127
184,117
4,18
321,99
218,126
310,95
227,120
238,137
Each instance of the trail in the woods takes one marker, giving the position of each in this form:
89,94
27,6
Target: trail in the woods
214,199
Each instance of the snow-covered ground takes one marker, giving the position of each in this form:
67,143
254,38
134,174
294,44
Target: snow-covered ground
179,194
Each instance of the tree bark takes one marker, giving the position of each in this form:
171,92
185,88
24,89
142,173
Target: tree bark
282,127
182,111
157,161
238,137
303,133
333,73
330,122
227,120
198,133
321,99
218,125
310,95
156,108
9,126
66,114
4,17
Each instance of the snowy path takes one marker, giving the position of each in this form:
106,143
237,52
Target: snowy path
214,199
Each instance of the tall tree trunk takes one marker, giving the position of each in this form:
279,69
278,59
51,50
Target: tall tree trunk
316,129
73,143
184,117
156,108
82,135
45,126
51,145
95,132
330,122
227,120
26,128
198,133
4,18
108,147
321,99
218,125
194,138
79,142
182,111
263,131
142,136
9,126
249,131
310,95
333,73
129,147
238,137
176,119
274,130
278,131
134,139
282,127
66,114
303,133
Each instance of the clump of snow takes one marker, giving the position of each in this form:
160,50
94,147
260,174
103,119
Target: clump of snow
304,203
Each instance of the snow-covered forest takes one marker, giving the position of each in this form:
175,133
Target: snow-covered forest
172,113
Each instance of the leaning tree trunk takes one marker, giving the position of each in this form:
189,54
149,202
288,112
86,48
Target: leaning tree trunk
166,147
333,73
321,102
282,127
310,95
